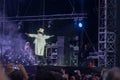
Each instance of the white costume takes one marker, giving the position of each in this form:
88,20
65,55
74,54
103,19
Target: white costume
40,42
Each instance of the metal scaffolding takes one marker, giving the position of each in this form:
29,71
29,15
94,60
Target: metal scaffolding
45,17
106,34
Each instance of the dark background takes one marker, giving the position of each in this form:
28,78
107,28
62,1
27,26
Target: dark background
59,28
118,35
65,28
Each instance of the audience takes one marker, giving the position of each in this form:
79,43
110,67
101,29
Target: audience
51,75
112,74
2,73
72,78
64,75
78,76
16,74
20,74
102,73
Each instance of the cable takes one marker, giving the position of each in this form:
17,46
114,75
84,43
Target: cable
17,9
28,7
90,41
81,40
82,5
43,23
73,8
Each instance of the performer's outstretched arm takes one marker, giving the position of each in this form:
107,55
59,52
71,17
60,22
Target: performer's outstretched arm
47,37
32,35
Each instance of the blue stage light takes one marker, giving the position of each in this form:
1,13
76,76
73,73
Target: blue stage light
80,25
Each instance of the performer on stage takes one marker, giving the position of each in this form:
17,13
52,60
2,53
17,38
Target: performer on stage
40,41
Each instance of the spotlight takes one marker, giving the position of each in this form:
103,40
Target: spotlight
78,22
80,25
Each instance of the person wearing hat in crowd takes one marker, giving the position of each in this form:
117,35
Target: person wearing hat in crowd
40,42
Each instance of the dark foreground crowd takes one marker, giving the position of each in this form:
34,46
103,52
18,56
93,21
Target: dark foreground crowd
12,72
105,74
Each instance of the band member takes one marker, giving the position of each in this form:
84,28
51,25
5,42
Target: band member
40,41
27,47
85,51
28,51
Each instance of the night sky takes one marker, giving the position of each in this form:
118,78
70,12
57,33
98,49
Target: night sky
65,27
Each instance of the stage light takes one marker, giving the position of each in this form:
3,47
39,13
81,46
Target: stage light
78,22
80,25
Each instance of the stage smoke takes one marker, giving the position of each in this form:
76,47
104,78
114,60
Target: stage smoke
12,44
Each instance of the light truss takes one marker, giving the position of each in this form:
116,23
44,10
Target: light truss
44,17
106,34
